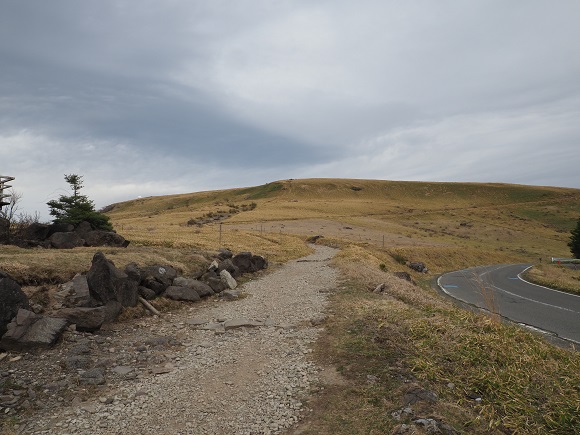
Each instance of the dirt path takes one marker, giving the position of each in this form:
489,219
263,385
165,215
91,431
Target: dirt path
169,375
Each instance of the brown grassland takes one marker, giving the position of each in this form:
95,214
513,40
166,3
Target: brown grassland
408,338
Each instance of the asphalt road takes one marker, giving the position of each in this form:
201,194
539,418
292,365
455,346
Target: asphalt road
510,296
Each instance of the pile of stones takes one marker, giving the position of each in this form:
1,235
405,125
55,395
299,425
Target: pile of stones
67,236
91,300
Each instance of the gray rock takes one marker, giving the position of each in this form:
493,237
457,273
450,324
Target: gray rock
146,293
228,280
95,376
201,288
105,238
12,298
85,319
238,323
243,261
83,228
217,284
229,265
67,240
224,254
29,330
182,294
107,283
74,293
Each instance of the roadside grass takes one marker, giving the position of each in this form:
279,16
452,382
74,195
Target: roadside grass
488,377
555,276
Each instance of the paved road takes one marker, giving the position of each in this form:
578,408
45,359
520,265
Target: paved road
512,297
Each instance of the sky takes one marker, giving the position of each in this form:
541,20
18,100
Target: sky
143,97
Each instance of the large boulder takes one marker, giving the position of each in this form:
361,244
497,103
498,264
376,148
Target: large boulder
12,298
29,330
201,288
85,319
248,263
68,240
74,293
36,231
104,238
83,228
158,277
107,283
60,228
243,261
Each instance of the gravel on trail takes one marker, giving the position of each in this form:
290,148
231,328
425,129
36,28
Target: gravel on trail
217,367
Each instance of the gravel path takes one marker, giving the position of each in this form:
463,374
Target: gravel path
227,380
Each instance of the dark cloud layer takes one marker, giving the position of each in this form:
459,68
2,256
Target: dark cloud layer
216,94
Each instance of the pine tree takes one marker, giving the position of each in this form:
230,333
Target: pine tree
77,208
574,242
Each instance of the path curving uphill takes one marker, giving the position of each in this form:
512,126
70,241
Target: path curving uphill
221,380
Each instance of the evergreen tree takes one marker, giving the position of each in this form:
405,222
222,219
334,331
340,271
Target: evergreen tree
77,208
574,242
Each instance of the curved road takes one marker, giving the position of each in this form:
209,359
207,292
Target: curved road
507,294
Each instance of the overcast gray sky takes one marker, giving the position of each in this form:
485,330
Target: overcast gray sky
151,97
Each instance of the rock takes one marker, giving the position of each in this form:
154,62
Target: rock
238,323
74,293
313,239
133,272
224,254
259,263
67,240
29,330
154,285
228,265
158,277
217,284
228,280
182,294
146,293
107,283
85,319
418,266
12,298
59,228
213,266
36,231
83,228
380,288
122,370
202,288
95,376
243,261
105,238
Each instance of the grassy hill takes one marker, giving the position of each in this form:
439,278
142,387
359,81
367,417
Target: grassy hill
489,223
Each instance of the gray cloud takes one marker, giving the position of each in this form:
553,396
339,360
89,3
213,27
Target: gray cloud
216,94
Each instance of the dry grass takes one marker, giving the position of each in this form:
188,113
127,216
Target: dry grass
411,338
555,276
